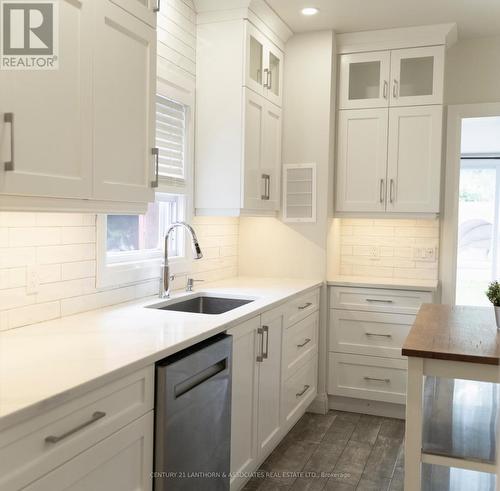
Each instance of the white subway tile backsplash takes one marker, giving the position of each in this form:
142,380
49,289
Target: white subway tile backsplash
34,236
82,269
61,249
394,240
66,253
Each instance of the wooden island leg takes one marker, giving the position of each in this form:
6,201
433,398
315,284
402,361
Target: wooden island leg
414,414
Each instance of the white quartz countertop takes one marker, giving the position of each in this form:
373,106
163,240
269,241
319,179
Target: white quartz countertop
46,364
389,283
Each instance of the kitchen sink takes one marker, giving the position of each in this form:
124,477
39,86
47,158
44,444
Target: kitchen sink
202,304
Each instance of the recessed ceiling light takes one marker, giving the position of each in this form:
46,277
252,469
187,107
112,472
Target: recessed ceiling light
309,11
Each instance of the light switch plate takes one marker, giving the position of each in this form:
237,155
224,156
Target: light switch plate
32,280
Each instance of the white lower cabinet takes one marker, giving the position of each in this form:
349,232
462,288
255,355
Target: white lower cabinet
274,381
102,440
123,461
367,329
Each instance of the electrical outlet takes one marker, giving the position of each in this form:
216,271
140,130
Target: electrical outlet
428,254
374,251
32,280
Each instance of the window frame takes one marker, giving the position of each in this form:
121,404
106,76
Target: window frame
136,266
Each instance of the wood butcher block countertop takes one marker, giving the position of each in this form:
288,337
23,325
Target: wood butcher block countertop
448,332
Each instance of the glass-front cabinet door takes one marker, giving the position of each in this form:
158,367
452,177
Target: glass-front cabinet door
417,76
364,80
255,60
274,75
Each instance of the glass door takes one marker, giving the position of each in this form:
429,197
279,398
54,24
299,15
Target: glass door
364,80
274,75
256,79
477,252
417,76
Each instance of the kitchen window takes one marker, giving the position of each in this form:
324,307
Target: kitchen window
131,247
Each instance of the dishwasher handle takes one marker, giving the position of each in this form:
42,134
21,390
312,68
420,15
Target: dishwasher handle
199,378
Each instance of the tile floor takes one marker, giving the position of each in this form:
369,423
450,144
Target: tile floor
338,451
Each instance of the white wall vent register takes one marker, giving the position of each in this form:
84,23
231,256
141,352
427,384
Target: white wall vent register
299,193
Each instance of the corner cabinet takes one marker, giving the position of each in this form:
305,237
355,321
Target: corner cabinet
238,120
390,119
86,134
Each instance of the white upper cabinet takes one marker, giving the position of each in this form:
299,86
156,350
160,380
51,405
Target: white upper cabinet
413,172
263,65
87,132
45,117
144,10
238,152
417,76
362,160
402,77
364,80
124,126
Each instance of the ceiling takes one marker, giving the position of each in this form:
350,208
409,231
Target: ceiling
475,18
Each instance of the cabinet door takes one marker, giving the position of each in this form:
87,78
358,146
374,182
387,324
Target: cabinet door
269,410
244,400
364,80
273,72
124,117
414,168
49,140
142,9
123,461
362,160
271,159
255,77
417,76
254,186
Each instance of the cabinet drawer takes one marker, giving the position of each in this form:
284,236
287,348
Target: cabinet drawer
299,391
367,377
301,343
378,300
37,446
369,333
301,307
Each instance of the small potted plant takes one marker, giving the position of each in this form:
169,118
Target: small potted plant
493,294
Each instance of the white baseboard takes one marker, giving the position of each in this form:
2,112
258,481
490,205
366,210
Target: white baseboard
376,408
319,405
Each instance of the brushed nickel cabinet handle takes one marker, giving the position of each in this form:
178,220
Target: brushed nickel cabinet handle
306,341
95,417
9,118
381,190
375,379
158,5
266,78
265,354
391,191
303,307
386,87
303,391
260,357
395,89
267,187
269,79
378,335
379,300
156,153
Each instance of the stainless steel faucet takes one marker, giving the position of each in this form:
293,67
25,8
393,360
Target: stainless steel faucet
166,276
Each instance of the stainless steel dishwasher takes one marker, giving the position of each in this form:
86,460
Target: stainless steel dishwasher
193,418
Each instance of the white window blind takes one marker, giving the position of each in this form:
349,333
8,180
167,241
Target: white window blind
171,140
